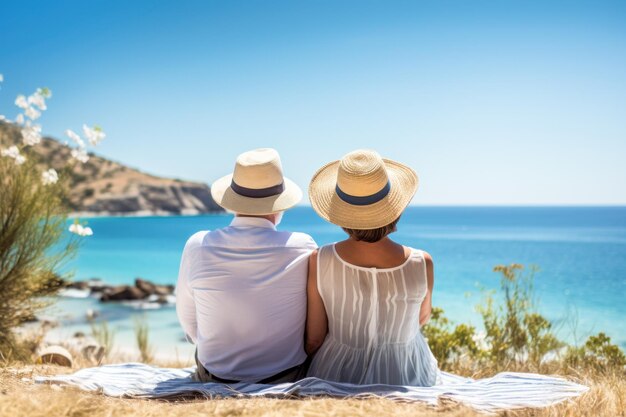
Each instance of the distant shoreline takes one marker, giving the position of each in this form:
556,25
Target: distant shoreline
141,213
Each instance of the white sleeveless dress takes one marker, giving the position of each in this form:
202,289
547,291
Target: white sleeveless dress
374,334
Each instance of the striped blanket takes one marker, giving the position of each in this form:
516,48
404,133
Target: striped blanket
507,390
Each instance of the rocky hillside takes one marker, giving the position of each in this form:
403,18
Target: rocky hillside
105,187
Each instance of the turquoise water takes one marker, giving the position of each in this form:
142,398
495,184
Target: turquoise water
581,253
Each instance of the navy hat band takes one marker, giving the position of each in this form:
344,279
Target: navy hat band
257,192
364,200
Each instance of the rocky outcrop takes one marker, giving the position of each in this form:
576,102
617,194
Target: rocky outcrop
153,289
175,198
105,187
123,293
143,290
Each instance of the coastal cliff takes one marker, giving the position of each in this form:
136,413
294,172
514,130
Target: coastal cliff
105,187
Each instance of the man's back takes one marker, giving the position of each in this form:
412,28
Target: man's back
241,297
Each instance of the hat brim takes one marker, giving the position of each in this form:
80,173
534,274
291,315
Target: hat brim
329,206
228,199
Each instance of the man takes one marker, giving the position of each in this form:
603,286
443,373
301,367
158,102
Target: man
241,292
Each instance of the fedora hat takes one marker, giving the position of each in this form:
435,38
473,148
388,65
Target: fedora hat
257,185
362,190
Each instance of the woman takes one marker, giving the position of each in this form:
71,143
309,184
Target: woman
367,295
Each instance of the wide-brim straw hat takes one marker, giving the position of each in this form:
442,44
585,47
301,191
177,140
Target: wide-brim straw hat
257,185
362,190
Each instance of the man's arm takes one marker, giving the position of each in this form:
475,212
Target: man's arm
185,304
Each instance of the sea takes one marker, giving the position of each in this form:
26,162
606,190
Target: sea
580,253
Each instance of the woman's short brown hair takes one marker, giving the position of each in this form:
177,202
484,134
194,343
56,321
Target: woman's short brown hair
372,235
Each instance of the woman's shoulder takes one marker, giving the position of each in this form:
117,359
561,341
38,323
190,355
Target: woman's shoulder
419,253
427,257
327,248
321,251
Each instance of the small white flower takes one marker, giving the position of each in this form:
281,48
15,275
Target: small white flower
75,138
80,154
32,113
21,102
19,119
13,152
78,229
31,134
49,177
93,134
38,100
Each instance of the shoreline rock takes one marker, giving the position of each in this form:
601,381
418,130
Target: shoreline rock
122,293
142,290
151,288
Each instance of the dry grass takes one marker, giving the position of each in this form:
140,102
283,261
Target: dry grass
20,397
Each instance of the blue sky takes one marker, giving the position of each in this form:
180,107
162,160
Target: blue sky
500,102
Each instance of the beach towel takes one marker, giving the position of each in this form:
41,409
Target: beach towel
504,391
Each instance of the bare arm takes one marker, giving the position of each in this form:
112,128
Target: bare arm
316,321
427,304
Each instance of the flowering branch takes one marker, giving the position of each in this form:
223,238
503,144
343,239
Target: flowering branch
31,110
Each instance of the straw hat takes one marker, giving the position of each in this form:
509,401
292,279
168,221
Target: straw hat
362,190
257,185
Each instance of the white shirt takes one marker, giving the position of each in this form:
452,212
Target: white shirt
241,297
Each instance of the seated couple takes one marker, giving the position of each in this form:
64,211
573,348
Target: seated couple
265,305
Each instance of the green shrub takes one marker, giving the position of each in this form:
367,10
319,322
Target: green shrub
516,335
32,248
541,340
33,214
449,344
597,353
88,192
515,331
